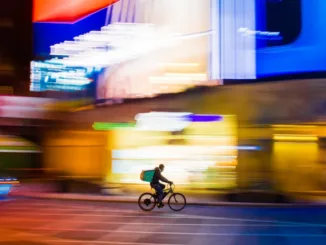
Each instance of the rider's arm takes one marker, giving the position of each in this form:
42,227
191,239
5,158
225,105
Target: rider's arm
163,179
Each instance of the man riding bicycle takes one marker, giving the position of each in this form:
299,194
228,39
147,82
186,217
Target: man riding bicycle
155,183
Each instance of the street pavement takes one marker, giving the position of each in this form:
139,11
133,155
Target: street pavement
26,221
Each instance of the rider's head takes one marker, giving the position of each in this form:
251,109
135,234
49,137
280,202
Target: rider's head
161,167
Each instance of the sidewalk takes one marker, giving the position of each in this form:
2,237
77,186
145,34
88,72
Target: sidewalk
45,191
191,200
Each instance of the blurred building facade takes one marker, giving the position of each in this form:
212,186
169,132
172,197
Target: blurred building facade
15,46
87,153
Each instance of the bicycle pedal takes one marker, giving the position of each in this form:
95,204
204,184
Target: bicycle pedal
160,205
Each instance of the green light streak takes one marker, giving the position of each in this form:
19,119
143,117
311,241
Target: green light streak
103,126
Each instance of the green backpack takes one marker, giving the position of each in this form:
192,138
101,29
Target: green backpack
147,175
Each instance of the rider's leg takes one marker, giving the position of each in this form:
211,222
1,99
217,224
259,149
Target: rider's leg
160,193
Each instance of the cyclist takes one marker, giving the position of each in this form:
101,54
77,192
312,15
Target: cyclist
155,183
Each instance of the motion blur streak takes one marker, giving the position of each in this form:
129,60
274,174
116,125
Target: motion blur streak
293,137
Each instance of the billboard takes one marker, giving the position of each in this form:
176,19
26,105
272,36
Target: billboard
104,42
55,21
301,47
126,44
266,38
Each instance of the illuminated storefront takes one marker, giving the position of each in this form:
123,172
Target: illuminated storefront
198,150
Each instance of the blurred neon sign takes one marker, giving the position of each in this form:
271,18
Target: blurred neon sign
159,121
162,121
103,126
266,35
170,121
51,75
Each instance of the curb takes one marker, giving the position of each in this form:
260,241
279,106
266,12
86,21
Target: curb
207,204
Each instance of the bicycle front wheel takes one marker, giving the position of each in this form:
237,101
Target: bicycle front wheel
177,201
147,201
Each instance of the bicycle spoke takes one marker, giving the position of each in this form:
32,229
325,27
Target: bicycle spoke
175,199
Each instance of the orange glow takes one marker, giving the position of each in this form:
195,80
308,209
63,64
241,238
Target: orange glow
295,137
67,10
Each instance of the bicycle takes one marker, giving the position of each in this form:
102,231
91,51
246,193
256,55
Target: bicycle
150,200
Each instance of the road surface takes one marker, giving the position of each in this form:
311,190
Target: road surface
40,222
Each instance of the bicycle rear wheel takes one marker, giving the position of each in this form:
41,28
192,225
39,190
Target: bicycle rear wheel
147,201
177,202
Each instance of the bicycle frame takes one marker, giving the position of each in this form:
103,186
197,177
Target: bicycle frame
167,191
